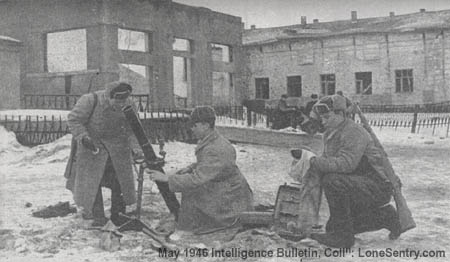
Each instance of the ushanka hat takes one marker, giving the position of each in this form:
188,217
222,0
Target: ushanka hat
330,103
203,114
121,90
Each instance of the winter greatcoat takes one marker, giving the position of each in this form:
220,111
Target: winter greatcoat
354,181
112,135
345,147
215,192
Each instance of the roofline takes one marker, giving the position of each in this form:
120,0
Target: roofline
328,35
347,20
200,8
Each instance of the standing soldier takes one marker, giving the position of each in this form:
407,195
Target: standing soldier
284,113
103,156
310,104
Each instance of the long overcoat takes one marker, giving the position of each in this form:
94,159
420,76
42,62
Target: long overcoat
215,192
345,147
112,135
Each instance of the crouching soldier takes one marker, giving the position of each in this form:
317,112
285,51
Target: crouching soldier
214,192
103,155
353,178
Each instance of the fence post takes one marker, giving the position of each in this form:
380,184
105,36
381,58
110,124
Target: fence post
448,125
414,123
249,117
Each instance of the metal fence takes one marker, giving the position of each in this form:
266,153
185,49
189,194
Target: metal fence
49,101
414,123
414,117
35,130
172,123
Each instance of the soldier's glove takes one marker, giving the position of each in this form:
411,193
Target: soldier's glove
296,153
138,156
185,170
311,126
87,142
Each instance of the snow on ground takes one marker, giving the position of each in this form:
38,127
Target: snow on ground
35,176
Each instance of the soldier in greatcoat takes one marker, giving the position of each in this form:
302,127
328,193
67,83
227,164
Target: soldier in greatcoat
214,192
103,155
353,177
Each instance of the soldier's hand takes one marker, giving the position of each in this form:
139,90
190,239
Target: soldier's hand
138,156
184,171
296,153
157,175
87,142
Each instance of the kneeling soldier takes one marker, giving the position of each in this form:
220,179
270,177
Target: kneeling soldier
353,178
214,192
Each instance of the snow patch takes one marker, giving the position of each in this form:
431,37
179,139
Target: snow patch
11,152
35,175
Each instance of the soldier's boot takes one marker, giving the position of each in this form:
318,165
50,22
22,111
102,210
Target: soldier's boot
98,211
330,226
116,218
337,239
385,217
391,221
117,206
99,222
339,234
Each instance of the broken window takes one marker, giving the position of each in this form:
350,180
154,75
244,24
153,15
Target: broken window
180,44
66,51
138,76
404,81
222,53
363,83
231,79
294,86
328,84
262,88
221,88
181,80
134,40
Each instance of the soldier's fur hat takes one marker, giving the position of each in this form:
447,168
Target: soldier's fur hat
203,114
120,90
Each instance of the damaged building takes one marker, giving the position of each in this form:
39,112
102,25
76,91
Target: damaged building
398,59
10,50
172,54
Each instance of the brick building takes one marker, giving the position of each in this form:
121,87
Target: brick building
164,49
398,59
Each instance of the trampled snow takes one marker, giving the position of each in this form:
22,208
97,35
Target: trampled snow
35,176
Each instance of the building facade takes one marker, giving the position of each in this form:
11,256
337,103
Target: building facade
399,59
10,50
164,49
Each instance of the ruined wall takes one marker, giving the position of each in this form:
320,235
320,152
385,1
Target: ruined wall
9,73
426,53
30,20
